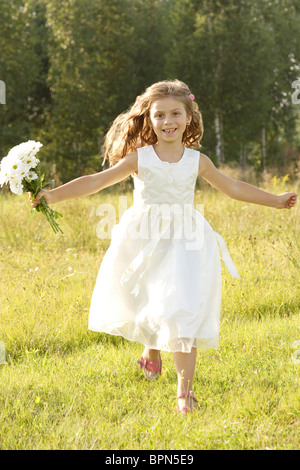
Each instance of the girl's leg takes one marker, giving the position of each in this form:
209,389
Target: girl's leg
151,355
185,367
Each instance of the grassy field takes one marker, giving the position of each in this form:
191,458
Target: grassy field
65,387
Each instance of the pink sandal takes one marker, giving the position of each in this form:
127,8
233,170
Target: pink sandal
185,409
151,367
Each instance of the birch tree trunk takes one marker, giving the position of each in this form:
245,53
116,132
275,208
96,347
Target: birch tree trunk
219,138
263,144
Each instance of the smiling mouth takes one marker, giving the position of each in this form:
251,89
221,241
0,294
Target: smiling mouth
169,131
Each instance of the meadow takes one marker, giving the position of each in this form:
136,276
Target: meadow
65,387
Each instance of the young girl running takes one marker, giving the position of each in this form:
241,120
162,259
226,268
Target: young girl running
160,280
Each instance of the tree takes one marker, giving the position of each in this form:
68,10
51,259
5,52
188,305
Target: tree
23,69
100,59
229,52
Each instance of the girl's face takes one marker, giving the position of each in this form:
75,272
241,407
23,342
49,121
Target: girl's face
169,119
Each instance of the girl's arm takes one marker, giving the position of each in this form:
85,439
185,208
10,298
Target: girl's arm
240,190
90,184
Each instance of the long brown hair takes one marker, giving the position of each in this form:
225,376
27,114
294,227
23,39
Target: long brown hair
132,129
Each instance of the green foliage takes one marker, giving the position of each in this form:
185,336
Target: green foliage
70,67
240,58
23,68
97,68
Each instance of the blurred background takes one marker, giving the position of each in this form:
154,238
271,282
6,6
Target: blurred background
71,66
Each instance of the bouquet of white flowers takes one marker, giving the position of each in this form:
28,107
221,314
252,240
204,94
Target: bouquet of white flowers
20,169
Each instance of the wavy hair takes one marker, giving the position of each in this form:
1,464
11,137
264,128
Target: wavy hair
132,129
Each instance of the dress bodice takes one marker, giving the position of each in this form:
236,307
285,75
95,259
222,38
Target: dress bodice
160,182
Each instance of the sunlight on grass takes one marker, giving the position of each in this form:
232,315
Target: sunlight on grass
65,387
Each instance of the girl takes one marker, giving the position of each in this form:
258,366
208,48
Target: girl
157,285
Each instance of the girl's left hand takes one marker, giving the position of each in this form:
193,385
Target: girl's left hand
286,200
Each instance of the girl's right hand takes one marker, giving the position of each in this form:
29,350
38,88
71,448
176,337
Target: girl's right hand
41,194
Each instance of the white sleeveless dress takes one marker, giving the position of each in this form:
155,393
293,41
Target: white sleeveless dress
160,280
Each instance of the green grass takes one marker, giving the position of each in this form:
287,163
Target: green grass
65,387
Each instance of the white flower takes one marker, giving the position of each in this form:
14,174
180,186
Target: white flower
4,177
25,149
29,161
25,153
31,176
18,164
15,169
16,187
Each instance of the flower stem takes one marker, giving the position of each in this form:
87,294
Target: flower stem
50,215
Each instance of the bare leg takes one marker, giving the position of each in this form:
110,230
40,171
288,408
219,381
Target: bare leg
185,367
152,355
